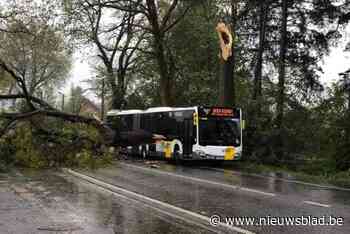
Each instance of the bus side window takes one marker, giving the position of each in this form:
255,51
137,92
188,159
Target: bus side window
152,123
136,121
163,124
126,123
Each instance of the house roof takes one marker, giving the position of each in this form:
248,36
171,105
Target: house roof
88,103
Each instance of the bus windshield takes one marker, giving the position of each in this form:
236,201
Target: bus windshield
219,131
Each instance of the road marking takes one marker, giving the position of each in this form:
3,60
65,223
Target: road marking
174,211
202,180
317,204
280,179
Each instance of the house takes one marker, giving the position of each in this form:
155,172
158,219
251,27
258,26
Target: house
87,107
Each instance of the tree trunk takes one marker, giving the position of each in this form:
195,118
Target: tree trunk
227,95
116,102
282,66
165,87
258,68
158,46
121,88
227,89
231,95
255,110
281,81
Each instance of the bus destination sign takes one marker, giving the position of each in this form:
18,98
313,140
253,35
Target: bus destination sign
218,112
222,112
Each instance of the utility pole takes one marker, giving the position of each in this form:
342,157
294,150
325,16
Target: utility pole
103,100
62,103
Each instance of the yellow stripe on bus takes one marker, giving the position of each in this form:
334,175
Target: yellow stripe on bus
229,153
167,150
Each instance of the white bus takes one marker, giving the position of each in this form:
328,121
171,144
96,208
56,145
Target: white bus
191,133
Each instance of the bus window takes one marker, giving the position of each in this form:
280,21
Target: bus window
126,123
219,131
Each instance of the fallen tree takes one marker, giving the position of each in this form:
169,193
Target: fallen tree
35,107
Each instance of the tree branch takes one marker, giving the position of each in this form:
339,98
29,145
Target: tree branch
19,81
169,13
34,99
176,21
105,131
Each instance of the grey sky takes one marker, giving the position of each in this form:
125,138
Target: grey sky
337,61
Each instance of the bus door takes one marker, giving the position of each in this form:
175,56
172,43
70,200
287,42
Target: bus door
188,137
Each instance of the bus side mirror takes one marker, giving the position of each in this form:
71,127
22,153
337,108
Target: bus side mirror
243,124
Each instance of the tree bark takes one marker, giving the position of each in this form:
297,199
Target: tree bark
227,42
281,81
165,88
231,95
227,96
159,49
258,68
282,66
116,102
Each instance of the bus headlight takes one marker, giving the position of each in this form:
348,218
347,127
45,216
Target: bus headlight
201,153
238,154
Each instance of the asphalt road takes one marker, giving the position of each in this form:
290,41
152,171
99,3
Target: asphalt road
53,202
230,194
58,202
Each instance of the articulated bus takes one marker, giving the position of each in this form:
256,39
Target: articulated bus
191,133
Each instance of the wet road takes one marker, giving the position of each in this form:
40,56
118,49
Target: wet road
228,193
53,202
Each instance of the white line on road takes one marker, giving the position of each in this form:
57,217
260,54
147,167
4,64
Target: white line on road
163,207
202,180
280,179
317,204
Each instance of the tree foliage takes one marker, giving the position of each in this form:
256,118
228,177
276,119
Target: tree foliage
154,52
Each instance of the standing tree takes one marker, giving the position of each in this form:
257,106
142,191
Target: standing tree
263,12
116,43
161,17
282,65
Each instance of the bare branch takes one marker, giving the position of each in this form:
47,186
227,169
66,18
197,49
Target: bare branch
177,20
135,7
34,99
20,81
169,13
10,125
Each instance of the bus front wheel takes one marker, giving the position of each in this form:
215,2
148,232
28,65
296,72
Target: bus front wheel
177,154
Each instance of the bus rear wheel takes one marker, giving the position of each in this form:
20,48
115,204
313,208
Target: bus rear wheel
144,154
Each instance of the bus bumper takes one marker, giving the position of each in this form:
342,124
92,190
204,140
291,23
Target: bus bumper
203,156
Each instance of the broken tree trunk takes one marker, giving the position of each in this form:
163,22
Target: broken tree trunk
226,44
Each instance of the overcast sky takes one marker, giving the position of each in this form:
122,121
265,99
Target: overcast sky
338,61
